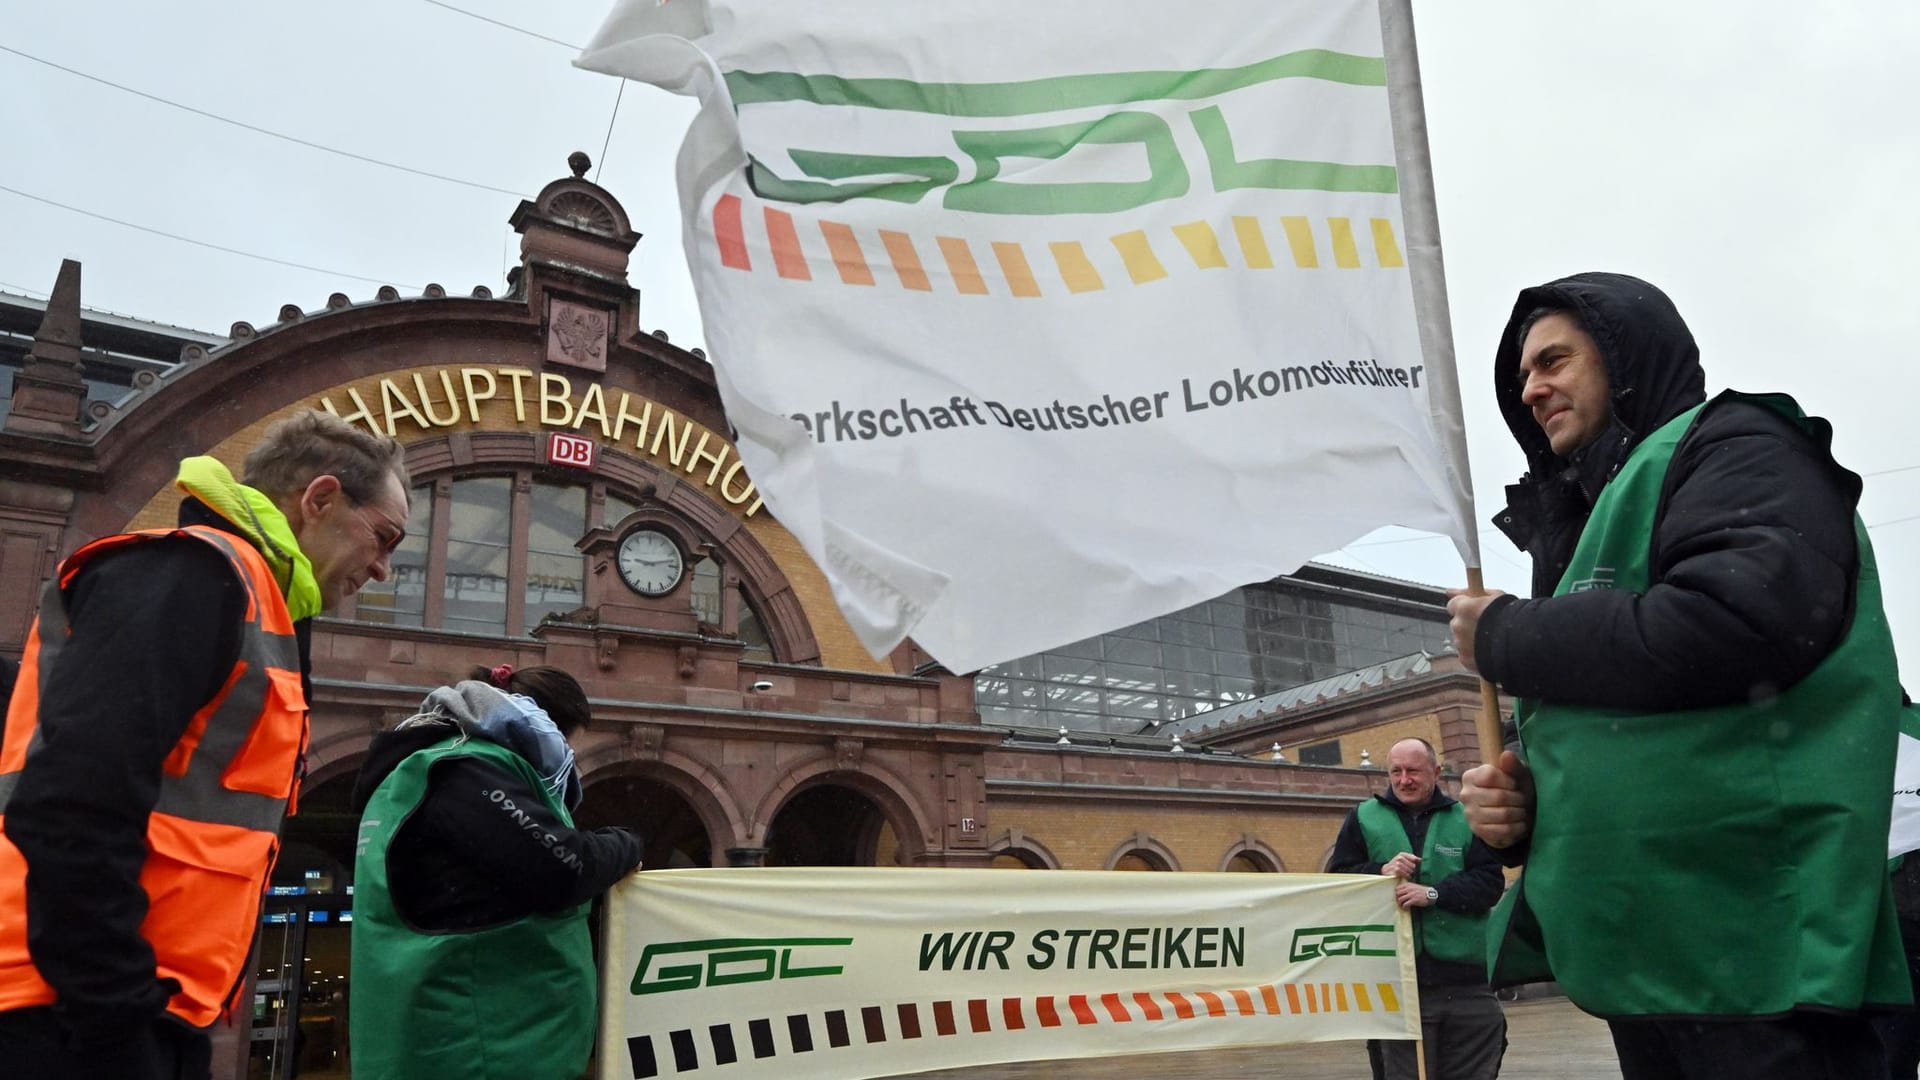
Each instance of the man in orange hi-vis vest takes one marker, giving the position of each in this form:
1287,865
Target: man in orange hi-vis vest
154,743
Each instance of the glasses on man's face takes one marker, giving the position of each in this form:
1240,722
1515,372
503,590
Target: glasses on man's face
385,533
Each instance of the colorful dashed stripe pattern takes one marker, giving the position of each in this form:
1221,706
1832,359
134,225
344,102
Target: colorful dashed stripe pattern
688,1049
1064,267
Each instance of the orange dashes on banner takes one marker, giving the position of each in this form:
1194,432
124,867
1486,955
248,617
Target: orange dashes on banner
725,1043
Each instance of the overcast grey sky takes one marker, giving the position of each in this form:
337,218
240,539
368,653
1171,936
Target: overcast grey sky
1754,158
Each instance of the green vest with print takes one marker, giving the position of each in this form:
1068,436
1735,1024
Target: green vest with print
509,1002
1726,861
1443,935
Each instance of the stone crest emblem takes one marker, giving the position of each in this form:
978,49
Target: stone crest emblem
577,336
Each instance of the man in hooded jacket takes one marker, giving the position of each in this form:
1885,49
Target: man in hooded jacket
1707,704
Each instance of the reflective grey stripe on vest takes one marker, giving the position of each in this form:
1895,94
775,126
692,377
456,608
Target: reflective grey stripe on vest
52,628
199,794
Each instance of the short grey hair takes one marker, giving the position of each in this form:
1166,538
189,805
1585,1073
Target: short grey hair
1433,755
314,443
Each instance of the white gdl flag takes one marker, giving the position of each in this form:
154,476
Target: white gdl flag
1037,320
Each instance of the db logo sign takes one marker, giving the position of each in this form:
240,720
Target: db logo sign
570,450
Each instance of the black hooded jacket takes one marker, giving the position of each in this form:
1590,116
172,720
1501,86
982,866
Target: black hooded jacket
461,861
1753,558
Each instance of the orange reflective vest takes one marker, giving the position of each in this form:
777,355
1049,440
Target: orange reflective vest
225,786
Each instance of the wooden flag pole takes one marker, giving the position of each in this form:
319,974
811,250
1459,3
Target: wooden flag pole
1486,726
1428,272
1429,277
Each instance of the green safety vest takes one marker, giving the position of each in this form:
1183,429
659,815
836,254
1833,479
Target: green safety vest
1443,935
1726,861
511,1002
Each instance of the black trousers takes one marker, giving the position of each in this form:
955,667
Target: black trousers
34,1046
1803,1046
1900,1030
1465,1032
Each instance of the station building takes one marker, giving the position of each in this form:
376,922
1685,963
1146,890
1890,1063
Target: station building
737,721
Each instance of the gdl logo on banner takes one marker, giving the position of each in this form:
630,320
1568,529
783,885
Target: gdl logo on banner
730,961
1371,939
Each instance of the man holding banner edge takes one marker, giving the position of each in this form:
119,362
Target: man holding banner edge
1708,704
1447,888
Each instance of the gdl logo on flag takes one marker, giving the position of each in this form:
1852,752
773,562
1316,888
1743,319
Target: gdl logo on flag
987,124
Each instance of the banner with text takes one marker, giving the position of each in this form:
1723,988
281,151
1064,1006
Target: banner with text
848,973
1903,835
1038,320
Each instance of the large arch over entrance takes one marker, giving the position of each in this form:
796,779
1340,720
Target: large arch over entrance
672,830
895,810
830,824
664,792
317,844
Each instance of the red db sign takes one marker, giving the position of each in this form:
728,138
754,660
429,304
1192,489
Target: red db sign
570,450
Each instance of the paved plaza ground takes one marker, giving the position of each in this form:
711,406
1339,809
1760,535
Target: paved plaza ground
1548,1039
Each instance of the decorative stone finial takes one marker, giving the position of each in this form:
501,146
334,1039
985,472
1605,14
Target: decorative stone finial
579,163
1366,759
49,393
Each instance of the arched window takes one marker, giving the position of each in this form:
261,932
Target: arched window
401,600
556,573
1142,852
1015,850
1252,856
752,632
618,507
706,591
479,555
484,581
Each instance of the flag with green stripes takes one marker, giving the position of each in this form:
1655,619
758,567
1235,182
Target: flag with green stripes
984,282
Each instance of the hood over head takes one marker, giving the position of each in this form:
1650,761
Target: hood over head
474,710
1653,366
